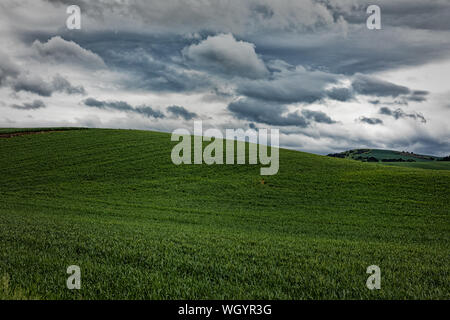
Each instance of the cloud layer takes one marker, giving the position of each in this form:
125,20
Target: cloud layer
308,67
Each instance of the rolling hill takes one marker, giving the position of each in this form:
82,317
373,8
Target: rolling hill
396,158
374,155
139,227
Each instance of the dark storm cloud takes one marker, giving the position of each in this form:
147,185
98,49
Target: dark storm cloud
399,113
317,116
123,106
371,121
263,112
158,63
91,102
366,85
33,84
430,145
178,111
299,85
303,86
36,104
61,84
422,143
341,94
403,40
37,85
154,62
418,96
420,92
360,51
149,112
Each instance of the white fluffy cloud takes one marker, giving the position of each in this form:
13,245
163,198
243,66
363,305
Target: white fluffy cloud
56,49
224,54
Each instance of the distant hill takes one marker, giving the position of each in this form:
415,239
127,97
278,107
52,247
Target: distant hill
378,155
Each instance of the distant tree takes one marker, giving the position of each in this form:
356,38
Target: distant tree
394,160
337,155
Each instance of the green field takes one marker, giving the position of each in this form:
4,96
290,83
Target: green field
434,165
112,202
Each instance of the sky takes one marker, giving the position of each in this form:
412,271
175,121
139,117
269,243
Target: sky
310,68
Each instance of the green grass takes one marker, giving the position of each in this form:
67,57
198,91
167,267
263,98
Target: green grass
112,202
390,154
434,165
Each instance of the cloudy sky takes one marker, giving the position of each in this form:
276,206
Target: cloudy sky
310,68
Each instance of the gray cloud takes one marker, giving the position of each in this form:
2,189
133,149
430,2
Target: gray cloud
56,49
310,50
366,85
8,69
33,84
359,51
298,85
371,121
36,104
149,112
317,116
123,106
91,102
61,84
37,85
191,16
155,64
341,94
263,112
22,80
304,32
151,62
178,111
418,96
399,113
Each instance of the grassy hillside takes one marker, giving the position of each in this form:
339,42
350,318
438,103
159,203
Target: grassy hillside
112,202
383,155
433,165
